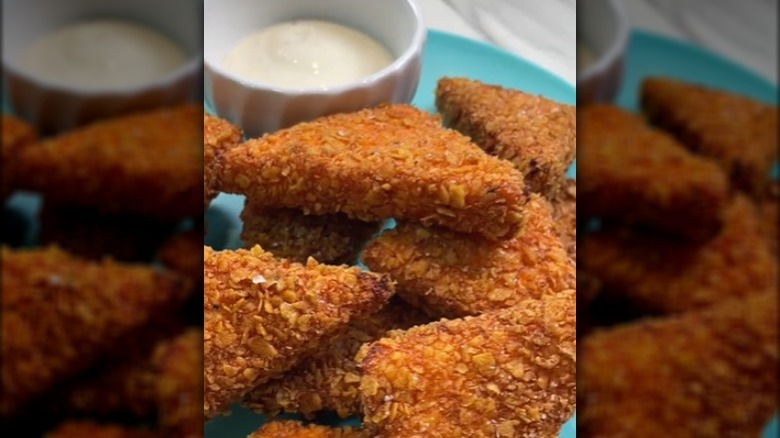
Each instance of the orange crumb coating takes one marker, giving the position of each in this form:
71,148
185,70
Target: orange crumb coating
218,136
536,134
660,276
146,163
179,383
83,429
15,135
391,161
330,379
564,211
91,234
182,254
60,313
639,175
706,373
738,133
508,373
451,274
294,429
291,234
262,315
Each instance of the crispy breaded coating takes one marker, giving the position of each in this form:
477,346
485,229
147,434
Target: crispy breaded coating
15,135
218,136
291,234
294,429
330,379
738,133
706,373
536,134
767,215
508,373
564,212
391,161
147,163
667,276
179,384
91,234
451,274
59,313
83,429
638,175
182,254
263,314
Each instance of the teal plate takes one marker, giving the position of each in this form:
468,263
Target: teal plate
650,54
444,55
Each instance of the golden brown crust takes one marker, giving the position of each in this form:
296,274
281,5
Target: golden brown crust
294,429
148,164
452,274
218,136
291,234
15,135
182,254
767,205
262,314
672,276
330,379
392,161
564,204
536,134
509,373
83,429
179,383
707,373
60,313
738,133
638,175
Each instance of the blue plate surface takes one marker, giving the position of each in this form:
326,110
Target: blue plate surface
654,55
444,55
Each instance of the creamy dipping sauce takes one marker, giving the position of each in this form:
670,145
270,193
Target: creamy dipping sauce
585,56
102,53
306,54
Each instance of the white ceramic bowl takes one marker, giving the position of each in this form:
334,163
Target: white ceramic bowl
54,107
603,27
261,108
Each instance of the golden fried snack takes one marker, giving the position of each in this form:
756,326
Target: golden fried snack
179,383
91,234
83,429
665,276
738,133
182,254
15,135
294,429
451,274
507,373
392,161
291,234
537,135
706,373
638,175
767,205
263,314
564,204
218,136
330,379
148,164
60,313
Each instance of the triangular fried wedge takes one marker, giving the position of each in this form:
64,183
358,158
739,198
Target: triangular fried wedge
536,134
148,163
262,315
61,313
392,161
710,372
739,133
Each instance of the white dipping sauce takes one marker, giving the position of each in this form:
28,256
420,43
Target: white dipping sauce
306,54
102,53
